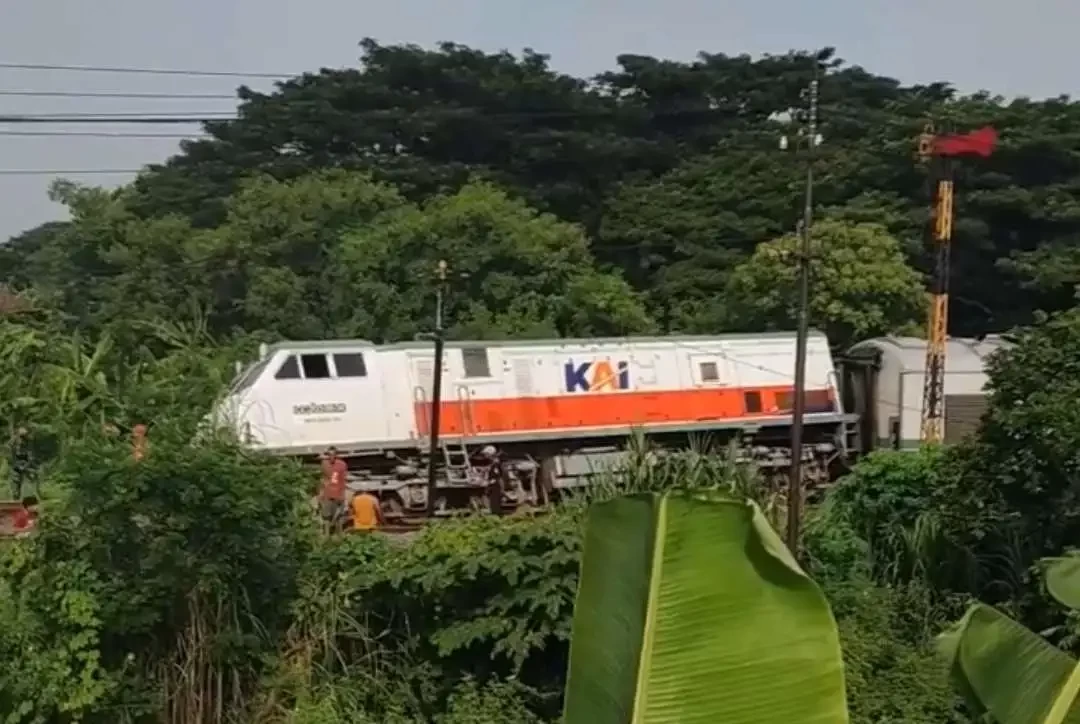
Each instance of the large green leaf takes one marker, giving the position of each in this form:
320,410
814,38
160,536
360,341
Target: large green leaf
690,609
1006,670
1062,576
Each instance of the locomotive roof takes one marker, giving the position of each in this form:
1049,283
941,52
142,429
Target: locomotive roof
962,354
332,344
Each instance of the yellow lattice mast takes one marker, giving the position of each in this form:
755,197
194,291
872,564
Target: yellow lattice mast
937,152
933,414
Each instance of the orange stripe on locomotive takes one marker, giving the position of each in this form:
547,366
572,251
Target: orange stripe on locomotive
597,395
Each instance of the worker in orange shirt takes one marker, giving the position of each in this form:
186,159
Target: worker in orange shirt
366,512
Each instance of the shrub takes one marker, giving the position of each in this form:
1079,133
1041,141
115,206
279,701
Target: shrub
155,585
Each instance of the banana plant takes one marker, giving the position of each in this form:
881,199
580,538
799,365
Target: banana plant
1009,673
691,609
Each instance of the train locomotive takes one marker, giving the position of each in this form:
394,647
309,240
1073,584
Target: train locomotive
559,412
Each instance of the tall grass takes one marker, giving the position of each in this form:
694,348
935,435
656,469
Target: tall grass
704,465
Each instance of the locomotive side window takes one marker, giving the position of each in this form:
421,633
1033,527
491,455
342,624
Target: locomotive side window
709,372
752,400
475,361
350,364
289,370
316,366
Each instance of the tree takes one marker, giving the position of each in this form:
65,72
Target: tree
274,265
670,167
862,285
16,253
514,273
107,265
429,120
1017,486
332,253
423,120
678,237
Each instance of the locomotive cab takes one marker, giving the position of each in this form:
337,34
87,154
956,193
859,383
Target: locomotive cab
304,397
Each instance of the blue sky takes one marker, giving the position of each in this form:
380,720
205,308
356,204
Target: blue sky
1009,48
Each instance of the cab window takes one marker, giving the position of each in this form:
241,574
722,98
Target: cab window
316,366
350,364
289,370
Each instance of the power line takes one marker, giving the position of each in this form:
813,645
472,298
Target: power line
98,134
465,112
393,114
132,117
111,94
67,172
144,71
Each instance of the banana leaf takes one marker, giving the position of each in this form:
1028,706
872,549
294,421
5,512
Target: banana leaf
1008,671
1062,576
691,609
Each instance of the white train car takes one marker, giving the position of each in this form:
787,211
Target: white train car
887,392
558,404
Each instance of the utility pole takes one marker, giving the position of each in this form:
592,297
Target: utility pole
436,387
795,485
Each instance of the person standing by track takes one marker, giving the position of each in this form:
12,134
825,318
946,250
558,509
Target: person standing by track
21,461
332,496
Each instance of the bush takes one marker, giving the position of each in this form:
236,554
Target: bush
483,599
150,582
892,671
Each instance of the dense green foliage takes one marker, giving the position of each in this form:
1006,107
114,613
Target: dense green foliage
651,199
670,172
863,287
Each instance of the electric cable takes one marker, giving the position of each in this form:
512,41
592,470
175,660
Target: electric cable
144,71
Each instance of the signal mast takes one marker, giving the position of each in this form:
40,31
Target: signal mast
938,153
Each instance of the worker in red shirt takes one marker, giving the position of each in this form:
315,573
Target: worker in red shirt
332,495
25,518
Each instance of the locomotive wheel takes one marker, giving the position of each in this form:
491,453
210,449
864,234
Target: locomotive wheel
392,507
545,482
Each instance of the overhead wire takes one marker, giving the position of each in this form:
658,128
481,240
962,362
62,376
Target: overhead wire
67,172
468,112
96,134
372,114
144,71
119,117
118,95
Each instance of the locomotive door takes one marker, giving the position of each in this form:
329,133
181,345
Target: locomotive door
423,374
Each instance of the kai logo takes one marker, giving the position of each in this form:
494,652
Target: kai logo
597,375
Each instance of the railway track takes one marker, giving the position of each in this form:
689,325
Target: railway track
414,524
